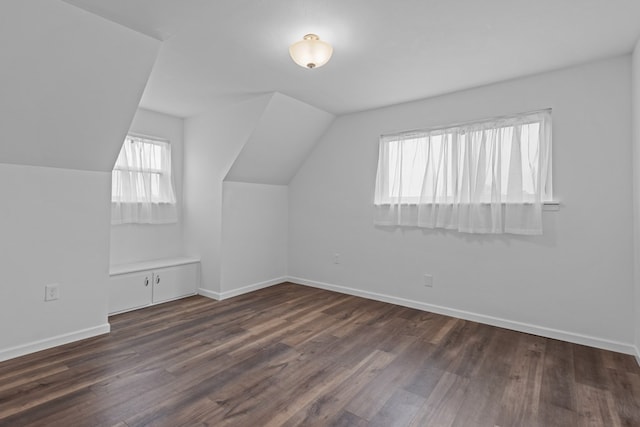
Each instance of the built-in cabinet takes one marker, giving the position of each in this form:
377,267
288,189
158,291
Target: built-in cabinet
139,285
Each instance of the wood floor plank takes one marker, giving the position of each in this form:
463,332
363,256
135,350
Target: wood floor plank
595,407
521,397
403,370
347,419
291,355
589,367
554,416
558,381
398,410
443,403
325,408
625,386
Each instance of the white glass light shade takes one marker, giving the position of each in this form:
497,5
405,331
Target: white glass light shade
311,52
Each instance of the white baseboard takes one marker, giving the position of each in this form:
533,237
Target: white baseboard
480,318
239,291
637,350
44,344
250,288
209,294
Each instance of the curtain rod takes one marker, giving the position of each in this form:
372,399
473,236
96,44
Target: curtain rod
468,123
151,137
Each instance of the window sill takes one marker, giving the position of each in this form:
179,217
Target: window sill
115,202
551,206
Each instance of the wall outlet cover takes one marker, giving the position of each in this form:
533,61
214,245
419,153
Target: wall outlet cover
428,281
51,292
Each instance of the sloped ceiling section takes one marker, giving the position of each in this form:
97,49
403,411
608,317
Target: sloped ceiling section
281,140
70,83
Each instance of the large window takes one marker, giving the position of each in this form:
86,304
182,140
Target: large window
141,184
483,177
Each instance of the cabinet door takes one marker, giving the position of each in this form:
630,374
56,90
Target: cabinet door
129,291
174,282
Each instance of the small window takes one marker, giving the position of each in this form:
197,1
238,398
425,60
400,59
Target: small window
503,161
141,184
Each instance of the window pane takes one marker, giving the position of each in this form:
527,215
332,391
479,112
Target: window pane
530,157
142,173
155,186
477,164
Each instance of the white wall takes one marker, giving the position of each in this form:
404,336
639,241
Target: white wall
141,242
54,225
243,142
636,190
575,279
71,84
212,142
254,234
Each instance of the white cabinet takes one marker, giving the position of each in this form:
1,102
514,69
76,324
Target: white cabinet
129,291
138,285
174,282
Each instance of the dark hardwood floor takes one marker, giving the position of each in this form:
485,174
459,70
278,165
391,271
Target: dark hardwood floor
296,356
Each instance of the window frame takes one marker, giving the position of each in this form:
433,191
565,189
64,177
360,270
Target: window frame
165,144
500,122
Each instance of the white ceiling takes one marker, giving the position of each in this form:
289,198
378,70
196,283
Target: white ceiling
385,52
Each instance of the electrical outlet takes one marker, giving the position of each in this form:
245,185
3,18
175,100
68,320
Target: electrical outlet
428,281
336,258
51,292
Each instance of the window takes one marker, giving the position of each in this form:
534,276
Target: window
141,184
485,177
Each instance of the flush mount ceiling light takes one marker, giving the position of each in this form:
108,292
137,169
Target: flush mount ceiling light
310,52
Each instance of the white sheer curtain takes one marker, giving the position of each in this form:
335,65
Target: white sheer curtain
482,177
141,187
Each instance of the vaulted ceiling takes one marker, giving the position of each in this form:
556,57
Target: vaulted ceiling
385,52
280,141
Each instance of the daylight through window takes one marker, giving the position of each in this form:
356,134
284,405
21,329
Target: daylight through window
476,177
141,185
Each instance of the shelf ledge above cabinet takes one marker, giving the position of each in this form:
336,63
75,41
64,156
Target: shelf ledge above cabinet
134,267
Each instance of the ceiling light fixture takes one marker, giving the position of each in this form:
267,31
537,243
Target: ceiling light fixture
310,52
